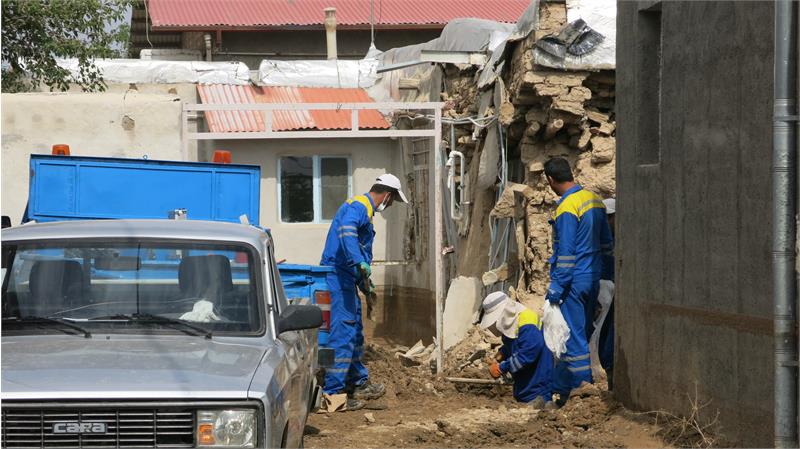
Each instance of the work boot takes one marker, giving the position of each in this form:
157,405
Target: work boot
368,391
537,403
551,405
353,405
557,403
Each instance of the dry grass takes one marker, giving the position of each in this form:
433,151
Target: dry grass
694,431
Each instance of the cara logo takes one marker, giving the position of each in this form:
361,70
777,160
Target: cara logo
79,427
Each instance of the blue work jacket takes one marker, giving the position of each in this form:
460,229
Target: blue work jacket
350,236
581,236
528,359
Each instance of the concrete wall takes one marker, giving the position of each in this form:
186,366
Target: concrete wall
694,299
251,47
117,123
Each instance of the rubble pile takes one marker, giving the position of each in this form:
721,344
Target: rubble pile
470,358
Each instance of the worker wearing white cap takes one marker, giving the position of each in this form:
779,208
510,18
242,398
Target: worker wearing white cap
348,249
524,353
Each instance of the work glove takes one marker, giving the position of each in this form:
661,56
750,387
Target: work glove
364,270
494,370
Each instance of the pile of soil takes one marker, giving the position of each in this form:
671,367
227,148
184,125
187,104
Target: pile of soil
423,410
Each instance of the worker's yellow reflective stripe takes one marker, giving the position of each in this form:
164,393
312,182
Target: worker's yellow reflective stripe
579,203
528,316
363,200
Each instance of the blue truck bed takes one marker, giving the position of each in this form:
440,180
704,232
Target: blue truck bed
85,188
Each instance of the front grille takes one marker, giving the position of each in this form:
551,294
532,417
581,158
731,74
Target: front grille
26,427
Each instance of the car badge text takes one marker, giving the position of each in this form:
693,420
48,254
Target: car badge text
79,427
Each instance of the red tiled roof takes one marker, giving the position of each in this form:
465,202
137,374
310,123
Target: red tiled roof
252,121
277,13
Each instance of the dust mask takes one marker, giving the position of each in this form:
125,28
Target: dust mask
382,206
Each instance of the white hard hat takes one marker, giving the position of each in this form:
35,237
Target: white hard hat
611,206
390,180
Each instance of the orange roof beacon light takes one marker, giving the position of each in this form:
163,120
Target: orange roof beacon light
222,157
60,149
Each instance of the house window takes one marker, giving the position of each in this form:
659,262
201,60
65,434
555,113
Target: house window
311,188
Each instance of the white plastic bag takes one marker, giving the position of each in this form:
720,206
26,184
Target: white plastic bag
556,331
604,297
202,312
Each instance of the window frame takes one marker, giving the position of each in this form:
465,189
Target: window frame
254,259
316,183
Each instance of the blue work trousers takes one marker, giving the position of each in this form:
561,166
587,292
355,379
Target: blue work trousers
346,336
574,365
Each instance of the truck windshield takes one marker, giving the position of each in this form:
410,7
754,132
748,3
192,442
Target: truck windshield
200,289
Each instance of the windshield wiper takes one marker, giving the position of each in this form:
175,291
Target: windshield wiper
40,320
187,327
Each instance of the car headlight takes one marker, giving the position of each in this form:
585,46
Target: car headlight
226,428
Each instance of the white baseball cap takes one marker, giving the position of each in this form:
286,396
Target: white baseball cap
390,180
611,206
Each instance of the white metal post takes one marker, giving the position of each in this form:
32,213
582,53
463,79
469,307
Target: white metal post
436,172
185,132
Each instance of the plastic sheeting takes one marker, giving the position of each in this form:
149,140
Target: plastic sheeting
600,15
166,72
318,73
472,35
527,23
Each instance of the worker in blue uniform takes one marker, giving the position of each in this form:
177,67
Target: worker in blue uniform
348,248
524,353
606,343
580,235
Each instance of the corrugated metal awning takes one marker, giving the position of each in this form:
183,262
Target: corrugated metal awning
277,13
251,121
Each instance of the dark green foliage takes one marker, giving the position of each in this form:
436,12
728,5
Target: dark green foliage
37,32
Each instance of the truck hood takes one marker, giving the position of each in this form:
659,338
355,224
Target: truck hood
126,368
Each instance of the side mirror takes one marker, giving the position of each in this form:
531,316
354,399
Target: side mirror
298,317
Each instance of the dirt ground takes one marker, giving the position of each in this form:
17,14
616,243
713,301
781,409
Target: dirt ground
420,410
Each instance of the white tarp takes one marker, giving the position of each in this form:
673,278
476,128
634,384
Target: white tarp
470,34
166,72
318,73
601,15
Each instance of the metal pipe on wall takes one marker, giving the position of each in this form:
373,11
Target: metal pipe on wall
784,240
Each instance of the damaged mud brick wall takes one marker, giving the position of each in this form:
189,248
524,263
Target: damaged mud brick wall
462,100
546,113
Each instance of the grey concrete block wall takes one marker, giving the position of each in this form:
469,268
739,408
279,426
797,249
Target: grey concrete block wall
694,305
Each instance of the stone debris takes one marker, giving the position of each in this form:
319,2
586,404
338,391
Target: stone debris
500,273
461,308
416,355
369,417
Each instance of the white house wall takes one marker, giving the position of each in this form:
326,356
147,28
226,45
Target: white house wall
119,123
303,242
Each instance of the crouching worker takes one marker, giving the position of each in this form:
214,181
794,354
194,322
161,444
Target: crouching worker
524,354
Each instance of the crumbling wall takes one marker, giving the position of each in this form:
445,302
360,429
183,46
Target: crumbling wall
543,113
